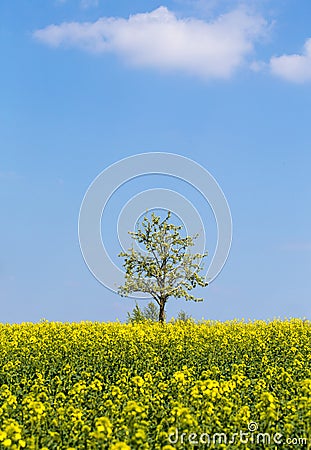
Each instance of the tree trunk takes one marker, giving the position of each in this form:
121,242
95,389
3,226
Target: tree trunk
162,311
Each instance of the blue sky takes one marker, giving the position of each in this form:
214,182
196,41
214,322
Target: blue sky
86,83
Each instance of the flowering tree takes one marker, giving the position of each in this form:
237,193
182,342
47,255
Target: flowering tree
167,269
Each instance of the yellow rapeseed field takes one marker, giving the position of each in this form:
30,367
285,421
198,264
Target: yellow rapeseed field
151,386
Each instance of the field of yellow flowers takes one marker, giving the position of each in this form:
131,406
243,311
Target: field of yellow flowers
150,386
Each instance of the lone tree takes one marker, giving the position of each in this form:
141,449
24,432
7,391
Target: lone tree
167,268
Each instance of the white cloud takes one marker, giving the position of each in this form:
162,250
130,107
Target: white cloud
83,3
161,40
295,68
9,175
258,66
89,3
